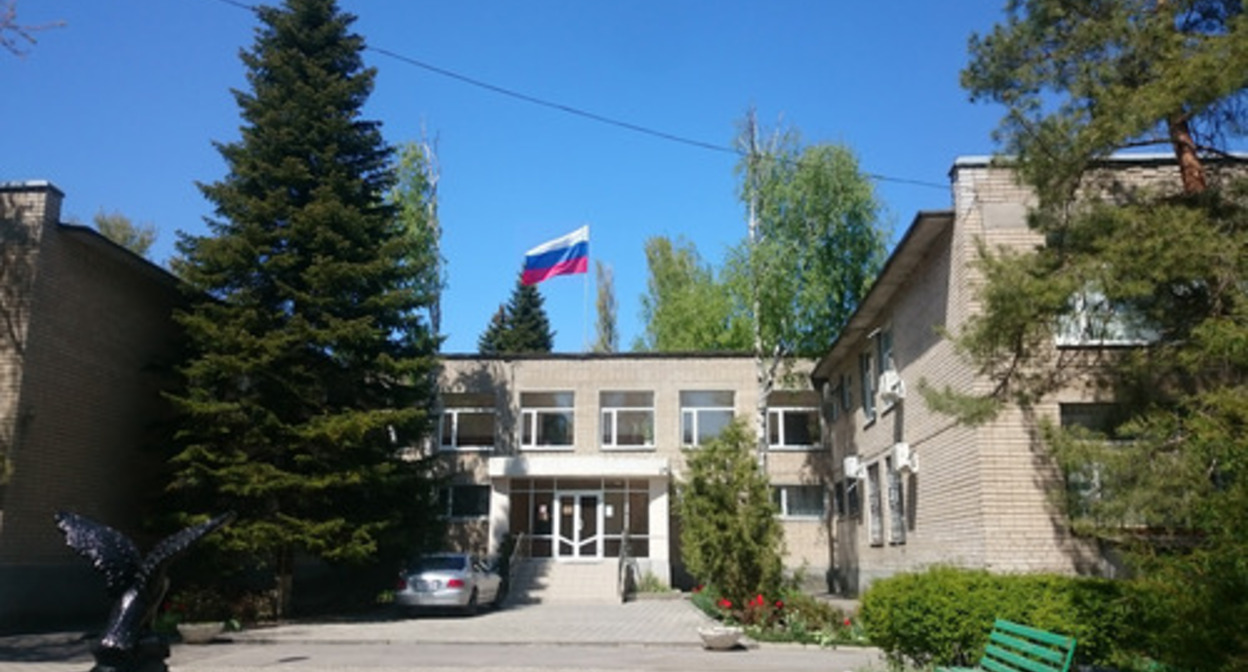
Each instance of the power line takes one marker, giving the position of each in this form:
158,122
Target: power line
585,114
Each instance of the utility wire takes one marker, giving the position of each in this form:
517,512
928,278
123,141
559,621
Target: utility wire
585,114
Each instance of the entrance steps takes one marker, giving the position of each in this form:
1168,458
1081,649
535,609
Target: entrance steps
546,581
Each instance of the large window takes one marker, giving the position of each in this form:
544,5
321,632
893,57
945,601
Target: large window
792,421
465,501
546,419
1092,319
800,501
896,505
875,504
1085,486
627,419
704,414
467,421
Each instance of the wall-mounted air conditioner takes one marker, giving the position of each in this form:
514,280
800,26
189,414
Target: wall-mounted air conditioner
853,467
892,389
904,459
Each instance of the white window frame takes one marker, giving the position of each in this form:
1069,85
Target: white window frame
779,412
610,414
530,421
896,504
875,506
452,413
689,415
781,493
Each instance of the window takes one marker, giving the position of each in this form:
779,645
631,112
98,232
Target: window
896,505
467,421
465,501
1093,319
847,393
884,357
1085,486
875,513
866,371
792,421
546,419
704,414
800,501
627,419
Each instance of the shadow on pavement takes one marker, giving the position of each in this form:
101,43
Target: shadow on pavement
45,648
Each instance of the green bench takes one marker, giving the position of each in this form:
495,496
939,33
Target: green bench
1018,648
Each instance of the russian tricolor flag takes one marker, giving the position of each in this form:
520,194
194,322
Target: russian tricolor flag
562,256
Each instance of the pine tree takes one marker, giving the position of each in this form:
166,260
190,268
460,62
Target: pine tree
519,327
1081,80
309,368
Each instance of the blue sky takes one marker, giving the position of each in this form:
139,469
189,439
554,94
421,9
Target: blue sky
121,106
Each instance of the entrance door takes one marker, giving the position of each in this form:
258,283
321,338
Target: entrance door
578,525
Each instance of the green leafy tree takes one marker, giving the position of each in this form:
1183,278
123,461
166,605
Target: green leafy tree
729,532
608,338
813,248
519,327
138,238
685,308
308,367
1079,81
415,196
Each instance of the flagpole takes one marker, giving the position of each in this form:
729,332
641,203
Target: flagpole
585,310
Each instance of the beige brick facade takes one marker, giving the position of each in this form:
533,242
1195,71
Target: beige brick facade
978,497
85,326
587,464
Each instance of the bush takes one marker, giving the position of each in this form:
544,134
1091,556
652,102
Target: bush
942,616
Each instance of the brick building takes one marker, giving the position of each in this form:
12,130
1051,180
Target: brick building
84,325
574,450
911,487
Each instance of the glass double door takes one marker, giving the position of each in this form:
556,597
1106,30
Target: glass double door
578,527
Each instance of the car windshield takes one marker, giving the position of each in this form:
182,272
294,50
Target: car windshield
433,563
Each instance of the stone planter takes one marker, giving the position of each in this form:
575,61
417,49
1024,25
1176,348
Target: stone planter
199,633
720,637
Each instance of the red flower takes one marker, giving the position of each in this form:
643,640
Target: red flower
725,603
757,601
697,588
779,604
847,623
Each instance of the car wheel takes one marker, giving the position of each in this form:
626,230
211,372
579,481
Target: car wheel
470,609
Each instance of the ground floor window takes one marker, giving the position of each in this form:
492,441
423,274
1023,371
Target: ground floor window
799,501
582,517
465,501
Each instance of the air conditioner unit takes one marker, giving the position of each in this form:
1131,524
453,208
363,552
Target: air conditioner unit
892,389
853,468
904,459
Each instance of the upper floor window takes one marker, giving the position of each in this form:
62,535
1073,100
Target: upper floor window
467,421
1093,319
866,371
800,501
704,414
546,419
792,420
627,419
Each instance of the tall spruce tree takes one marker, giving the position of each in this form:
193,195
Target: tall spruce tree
309,368
519,327
1081,79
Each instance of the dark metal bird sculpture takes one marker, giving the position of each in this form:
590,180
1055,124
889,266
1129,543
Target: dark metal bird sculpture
138,583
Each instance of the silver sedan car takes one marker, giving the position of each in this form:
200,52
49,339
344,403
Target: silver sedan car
458,581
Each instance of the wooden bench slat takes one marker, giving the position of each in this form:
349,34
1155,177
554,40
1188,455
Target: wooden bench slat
1035,650
1032,633
1016,661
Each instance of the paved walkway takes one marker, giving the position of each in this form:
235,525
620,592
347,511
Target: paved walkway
644,635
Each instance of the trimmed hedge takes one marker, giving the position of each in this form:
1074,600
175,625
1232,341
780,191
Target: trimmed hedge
942,616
